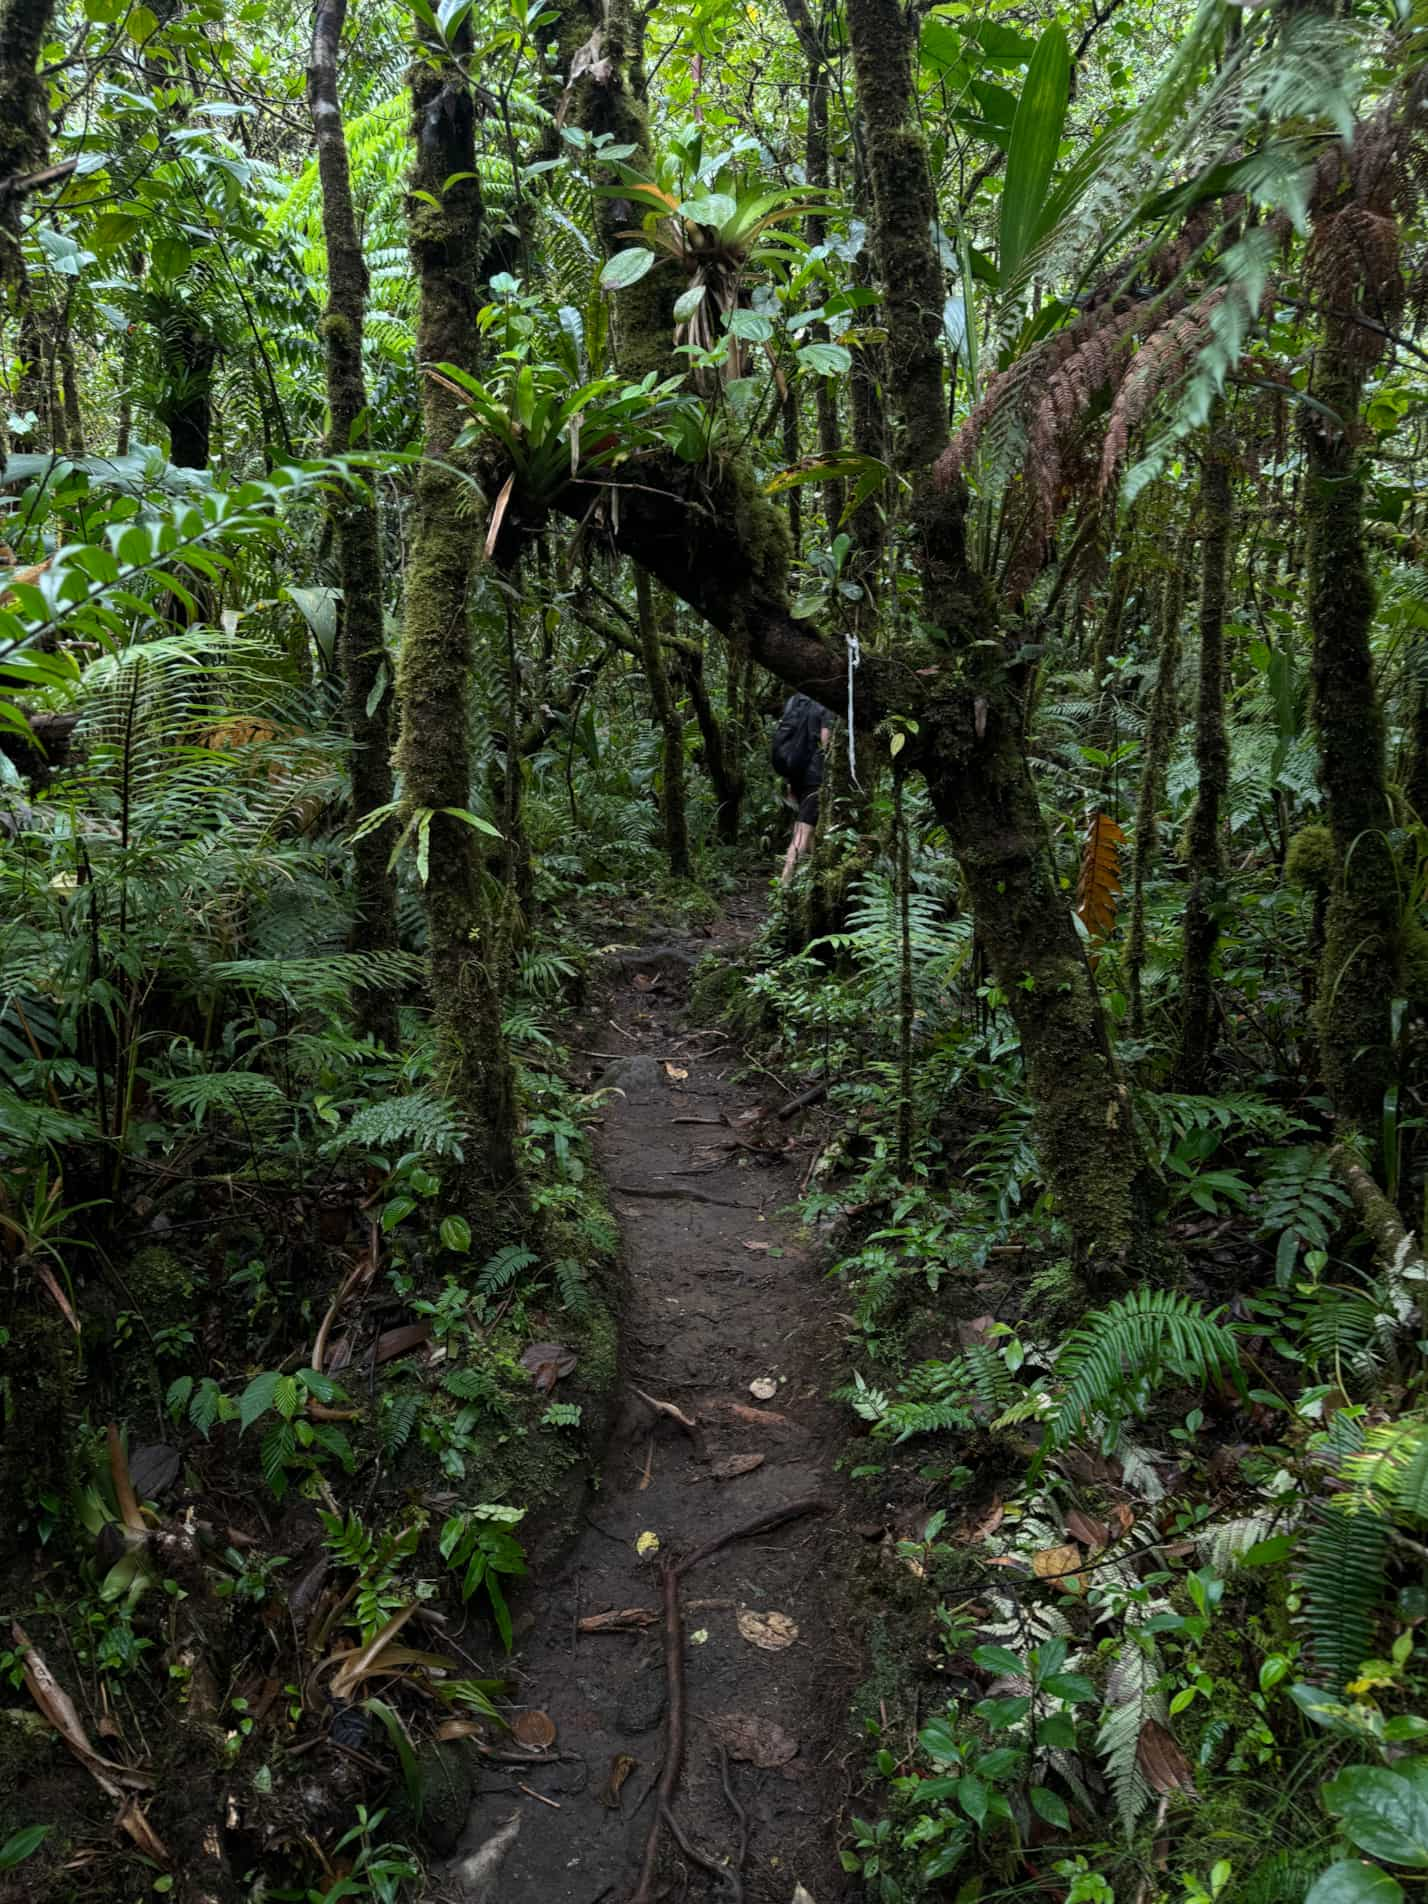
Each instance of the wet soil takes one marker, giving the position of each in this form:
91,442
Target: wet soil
722,1293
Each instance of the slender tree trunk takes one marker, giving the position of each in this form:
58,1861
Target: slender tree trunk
719,761
366,691
1212,761
666,711
1363,932
24,150
1160,734
444,221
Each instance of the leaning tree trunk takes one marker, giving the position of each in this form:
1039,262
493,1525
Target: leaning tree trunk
1160,733
365,692
971,749
444,224
716,743
1212,759
671,727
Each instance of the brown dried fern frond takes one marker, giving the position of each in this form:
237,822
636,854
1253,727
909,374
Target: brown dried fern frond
1164,356
1353,263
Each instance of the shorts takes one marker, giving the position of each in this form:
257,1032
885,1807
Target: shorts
808,807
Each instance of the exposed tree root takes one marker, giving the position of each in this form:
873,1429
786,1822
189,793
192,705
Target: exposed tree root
678,1707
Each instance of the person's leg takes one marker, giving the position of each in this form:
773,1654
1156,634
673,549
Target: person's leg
797,847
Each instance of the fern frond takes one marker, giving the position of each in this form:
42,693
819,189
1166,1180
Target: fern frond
1339,1569
1133,1700
1124,1350
498,1272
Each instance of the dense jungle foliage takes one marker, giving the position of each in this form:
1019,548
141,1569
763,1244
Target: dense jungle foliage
436,438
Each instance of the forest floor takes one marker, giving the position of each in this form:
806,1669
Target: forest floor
727,1320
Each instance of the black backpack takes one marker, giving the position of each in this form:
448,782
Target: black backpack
796,748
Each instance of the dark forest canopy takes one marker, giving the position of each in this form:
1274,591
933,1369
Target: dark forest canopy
435,443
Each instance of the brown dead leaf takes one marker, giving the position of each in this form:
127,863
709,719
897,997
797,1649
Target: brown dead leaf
970,1333
57,1706
498,514
57,1296
677,1073
734,1465
757,1741
394,1342
770,1631
459,1729
548,1362
644,983
990,1521
754,1417
1164,1765
618,1620
1122,1517
134,1822
620,1768
1092,1534
757,1248
534,1729
1060,1566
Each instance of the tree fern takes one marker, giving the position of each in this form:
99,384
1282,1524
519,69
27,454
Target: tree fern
311,983
1121,1352
1339,1567
419,1122
250,1099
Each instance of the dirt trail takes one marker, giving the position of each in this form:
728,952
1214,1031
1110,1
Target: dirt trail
719,1295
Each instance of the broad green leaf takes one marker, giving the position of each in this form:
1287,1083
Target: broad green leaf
456,1234
832,360
1352,1882
1031,151
688,302
1048,1806
938,1740
1382,1813
998,1659
257,1398
626,268
24,1844
714,208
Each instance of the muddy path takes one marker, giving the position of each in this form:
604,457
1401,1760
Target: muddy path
720,1295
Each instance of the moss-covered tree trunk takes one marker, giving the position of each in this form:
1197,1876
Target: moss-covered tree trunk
671,729
1360,973
444,224
1160,733
1212,765
971,749
24,148
365,687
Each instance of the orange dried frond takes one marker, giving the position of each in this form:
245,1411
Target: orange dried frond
1098,889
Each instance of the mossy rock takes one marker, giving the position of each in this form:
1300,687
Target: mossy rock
163,1286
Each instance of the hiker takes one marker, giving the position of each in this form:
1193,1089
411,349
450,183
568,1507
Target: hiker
798,743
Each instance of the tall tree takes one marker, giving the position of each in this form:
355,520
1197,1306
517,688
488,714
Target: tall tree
444,221
365,685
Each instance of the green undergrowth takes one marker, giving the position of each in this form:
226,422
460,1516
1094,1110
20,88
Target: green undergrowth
1144,1618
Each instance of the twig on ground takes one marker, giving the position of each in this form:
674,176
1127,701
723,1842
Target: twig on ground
674,1734
761,1524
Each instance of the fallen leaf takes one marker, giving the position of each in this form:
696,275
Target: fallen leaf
970,1333
800,1896
771,1631
547,1362
1122,1517
1164,1765
764,1389
648,1543
618,1619
620,1768
57,1706
644,983
736,1464
535,1729
700,1637
394,1342
459,1729
990,1521
759,1249
134,1822
755,1417
676,1071
1092,1534
1060,1566
757,1741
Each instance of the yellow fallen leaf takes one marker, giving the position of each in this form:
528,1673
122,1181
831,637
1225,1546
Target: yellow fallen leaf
771,1631
675,1071
648,1543
1060,1565
700,1637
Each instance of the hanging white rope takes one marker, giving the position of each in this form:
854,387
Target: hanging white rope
855,657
